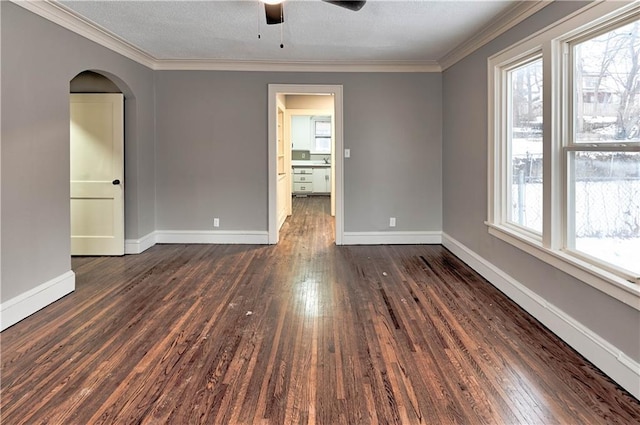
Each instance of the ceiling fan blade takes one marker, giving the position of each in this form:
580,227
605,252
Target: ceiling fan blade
351,5
274,13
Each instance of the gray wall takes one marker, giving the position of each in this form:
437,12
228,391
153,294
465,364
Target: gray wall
465,195
39,59
212,149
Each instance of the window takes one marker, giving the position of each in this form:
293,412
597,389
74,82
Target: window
564,147
524,145
603,171
518,147
322,134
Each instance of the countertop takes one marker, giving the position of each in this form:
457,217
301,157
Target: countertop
308,163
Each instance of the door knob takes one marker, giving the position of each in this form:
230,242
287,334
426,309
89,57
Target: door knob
115,182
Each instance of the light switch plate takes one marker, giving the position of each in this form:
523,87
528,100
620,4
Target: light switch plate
347,153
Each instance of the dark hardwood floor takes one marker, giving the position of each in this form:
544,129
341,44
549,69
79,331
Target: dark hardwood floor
301,332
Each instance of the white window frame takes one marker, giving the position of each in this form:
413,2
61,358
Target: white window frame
502,150
551,43
314,136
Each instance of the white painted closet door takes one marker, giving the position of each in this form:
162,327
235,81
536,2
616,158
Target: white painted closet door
97,174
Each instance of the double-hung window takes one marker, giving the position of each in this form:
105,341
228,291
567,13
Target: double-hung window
564,147
601,151
322,134
523,144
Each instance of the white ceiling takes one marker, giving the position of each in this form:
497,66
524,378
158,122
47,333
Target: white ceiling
173,34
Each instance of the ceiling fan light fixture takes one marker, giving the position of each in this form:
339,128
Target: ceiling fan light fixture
274,11
351,5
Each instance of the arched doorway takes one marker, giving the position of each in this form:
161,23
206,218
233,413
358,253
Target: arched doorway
97,123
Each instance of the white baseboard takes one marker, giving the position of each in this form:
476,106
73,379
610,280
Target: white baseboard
212,237
27,303
617,365
138,246
391,238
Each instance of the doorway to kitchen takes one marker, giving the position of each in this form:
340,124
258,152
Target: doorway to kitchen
321,107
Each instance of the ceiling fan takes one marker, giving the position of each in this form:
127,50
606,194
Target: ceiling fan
275,14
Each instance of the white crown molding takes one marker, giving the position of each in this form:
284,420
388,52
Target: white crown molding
66,18
501,24
296,66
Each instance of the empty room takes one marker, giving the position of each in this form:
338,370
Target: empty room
320,212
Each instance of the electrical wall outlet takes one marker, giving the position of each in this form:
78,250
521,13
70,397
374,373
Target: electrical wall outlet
216,222
392,222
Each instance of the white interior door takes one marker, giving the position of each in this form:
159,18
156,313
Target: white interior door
97,174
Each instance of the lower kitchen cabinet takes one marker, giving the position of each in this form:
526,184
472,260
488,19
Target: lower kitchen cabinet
302,181
322,180
311,180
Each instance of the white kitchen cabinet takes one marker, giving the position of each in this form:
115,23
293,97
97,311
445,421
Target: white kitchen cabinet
321,180
302,180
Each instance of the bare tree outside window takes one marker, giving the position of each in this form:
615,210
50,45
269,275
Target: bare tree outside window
604,167
525,136
607,86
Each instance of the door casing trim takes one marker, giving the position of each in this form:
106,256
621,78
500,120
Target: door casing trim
302,89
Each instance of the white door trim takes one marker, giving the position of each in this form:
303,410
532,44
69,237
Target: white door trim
285,89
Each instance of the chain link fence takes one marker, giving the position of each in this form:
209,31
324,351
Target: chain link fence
606,194
526,191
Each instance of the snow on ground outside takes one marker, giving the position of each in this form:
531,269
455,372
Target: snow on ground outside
624,253
601,211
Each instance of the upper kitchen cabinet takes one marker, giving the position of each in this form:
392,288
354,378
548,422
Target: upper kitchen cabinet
312,133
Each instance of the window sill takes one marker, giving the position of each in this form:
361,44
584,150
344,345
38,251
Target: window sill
612,285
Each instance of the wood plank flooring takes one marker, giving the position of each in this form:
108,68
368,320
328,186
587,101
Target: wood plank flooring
299,333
